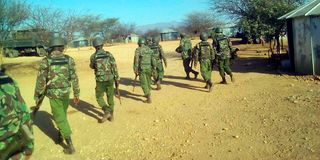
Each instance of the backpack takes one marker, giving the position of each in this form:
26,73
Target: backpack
145,58
59,72
156,51
204,48
222,44
102,64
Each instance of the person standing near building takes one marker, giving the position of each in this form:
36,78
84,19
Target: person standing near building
57,73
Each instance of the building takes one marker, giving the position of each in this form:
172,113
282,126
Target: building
132,38
80,42
303,29
169,34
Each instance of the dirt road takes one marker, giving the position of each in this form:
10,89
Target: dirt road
264,115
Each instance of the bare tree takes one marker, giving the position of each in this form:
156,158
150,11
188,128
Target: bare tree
197,22
12,14
152,33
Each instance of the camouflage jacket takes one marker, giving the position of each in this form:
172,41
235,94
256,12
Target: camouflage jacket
204,50
158,53
143,59
223,51
13,112
57,78
186,45
104,65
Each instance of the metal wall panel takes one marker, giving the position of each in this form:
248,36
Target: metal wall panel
315,30
302,45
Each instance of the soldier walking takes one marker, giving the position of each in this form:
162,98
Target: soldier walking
56,75
159,57
106,74
223,47
185,50
16,137
205,54
143,65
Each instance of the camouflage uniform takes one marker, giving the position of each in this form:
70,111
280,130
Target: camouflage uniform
16,138
158,56
186,46
223,47
142,65
106,73
58,71
205,54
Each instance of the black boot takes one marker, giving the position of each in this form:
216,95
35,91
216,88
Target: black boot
110,117
210,85
232,78
223,81
69,149
148,98
105,115
158,85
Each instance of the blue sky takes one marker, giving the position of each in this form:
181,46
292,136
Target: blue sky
140,12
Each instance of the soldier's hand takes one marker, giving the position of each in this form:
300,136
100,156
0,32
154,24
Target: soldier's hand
76,100
166,64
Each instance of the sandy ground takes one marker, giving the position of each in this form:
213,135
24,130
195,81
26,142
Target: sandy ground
264,115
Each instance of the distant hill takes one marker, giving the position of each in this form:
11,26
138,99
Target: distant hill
161,26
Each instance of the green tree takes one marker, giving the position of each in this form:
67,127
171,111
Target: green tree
257,16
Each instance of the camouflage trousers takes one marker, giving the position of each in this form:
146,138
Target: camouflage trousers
205,69
224,67
105,87
145,81
158,73
59,107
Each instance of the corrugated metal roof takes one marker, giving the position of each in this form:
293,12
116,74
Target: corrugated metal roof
309,9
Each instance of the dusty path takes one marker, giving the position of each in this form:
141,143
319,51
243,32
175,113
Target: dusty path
262,116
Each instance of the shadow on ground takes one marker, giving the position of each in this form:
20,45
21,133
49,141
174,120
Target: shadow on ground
87,108
44,121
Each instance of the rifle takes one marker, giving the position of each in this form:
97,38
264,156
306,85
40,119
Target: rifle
118,91
134,82
40,99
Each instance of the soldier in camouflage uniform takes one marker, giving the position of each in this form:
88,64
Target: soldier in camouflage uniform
223,47
106,74
185,50
205,54
158,56
16,137
56,75
143,65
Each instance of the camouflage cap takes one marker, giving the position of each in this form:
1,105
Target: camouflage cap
98,41
57,41
204,36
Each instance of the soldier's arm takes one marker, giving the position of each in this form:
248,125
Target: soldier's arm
212,53
136,61
162,55
92,62
115,68
41,78
74,79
